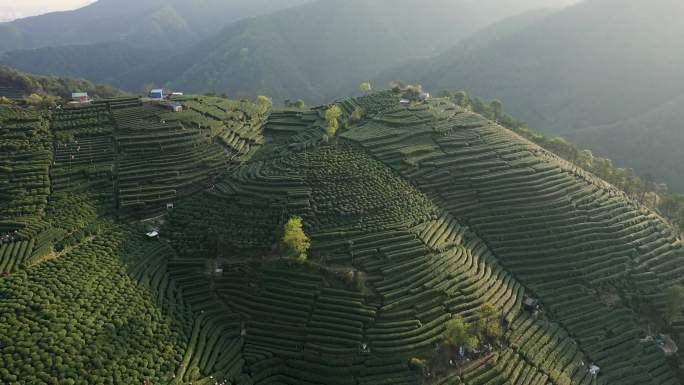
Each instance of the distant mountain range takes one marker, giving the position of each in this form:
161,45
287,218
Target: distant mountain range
167,24
314,51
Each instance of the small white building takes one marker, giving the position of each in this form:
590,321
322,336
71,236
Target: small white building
424,96
152,234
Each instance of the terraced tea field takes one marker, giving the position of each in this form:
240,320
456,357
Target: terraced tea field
566,235
421,266
419,214
25,160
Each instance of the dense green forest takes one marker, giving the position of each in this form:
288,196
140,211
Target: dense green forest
22,85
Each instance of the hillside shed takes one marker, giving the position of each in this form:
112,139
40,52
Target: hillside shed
424,96
157,94
80,97
175,107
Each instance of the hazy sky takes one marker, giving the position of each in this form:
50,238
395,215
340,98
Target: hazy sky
15,9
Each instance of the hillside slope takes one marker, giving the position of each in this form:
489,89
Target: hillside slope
418,214
572,239
600,76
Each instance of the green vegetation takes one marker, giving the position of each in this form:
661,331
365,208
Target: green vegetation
265,103
458,333
357,115
111,329
25,159
560,230
295,242
487,328
489,323
332,116
425,223
47,90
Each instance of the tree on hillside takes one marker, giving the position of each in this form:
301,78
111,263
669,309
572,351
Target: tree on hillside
674,304
332,115
264,102
458,333
489,323
413,91
480,107
295,242
497,109
5,100
366,86
357,115
34,99
461,98
585,159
